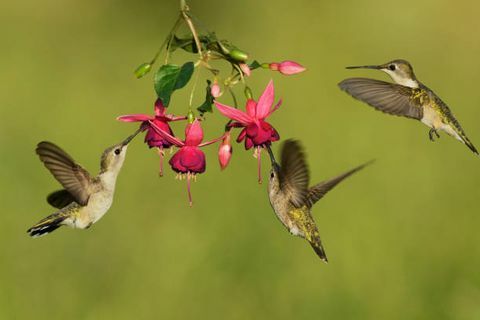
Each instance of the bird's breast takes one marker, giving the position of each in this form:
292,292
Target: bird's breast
98,205
431,116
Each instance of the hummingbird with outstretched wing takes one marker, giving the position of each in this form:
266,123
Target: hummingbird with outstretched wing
407,97
291,197
85,198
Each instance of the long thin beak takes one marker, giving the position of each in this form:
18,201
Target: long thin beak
365,67
272,157
130,138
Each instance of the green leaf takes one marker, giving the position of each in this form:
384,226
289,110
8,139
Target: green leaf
142,70
184,76
207,104
171,77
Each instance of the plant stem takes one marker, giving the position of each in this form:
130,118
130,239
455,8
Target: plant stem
235,102
189,22
193,91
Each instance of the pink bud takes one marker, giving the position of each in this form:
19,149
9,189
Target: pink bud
215,90
287,67
225,152
245,69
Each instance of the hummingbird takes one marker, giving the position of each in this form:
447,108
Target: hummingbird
84,199
407,97
291,197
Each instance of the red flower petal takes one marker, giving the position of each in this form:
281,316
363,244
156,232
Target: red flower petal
135,118
265,102
233,113
193,134
173,140
188,159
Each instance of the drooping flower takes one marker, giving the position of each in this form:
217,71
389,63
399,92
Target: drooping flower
225,151
286,67
161,120
256,131
189,160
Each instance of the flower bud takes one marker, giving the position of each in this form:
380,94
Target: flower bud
190,116
142,70
215,90
225,151
238,55
287,67
245,69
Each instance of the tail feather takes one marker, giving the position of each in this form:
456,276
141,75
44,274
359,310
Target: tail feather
318,248
470,145
47,225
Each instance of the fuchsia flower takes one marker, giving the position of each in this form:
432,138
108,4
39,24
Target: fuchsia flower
256,131
189,159
225,151
286,67
161,120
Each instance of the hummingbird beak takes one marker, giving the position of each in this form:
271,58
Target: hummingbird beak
272,157
130,138
366,67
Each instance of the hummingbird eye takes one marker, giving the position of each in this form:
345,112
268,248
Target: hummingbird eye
392,67
117,151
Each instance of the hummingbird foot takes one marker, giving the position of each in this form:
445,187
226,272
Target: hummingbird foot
431,134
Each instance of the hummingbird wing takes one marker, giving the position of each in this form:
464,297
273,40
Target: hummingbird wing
60,199
317,192
73,177
294,176
384,96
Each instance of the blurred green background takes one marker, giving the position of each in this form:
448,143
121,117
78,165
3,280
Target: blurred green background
402,236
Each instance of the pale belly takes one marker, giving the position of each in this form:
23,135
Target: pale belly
97,206
281,209
432,119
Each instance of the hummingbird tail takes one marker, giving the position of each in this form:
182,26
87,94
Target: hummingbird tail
470,145
318,248
46,225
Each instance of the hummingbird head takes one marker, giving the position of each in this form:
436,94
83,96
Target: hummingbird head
114,156
399,70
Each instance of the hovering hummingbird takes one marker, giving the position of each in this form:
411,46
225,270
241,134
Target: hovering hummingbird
290,195
406,97
85,199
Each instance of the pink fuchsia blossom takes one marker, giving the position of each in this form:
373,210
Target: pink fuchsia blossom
245,69
189,160
256,131
287,67
161,120
215,90
225,151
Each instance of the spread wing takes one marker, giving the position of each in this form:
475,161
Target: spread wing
387,97
60,199
71,175
318,191
294,174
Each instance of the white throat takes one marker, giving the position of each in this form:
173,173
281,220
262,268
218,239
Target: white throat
407,82
109,179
